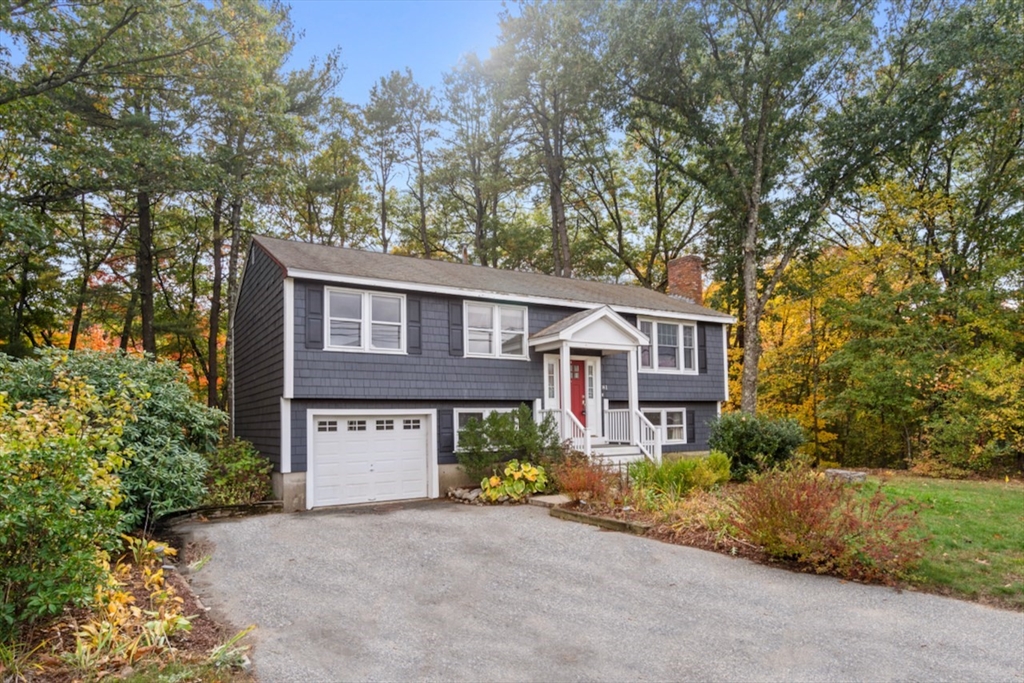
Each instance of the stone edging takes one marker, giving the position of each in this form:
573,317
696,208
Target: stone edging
173,519
610,523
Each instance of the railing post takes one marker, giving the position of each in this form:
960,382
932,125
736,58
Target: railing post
657,446
586,441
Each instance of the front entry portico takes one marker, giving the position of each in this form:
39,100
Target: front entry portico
572,381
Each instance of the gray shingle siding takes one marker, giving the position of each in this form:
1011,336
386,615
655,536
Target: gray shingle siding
259,355
436,374
432,374
653,386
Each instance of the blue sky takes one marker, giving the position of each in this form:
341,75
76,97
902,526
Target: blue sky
379,36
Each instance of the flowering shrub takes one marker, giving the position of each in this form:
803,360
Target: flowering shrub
520,481
827,526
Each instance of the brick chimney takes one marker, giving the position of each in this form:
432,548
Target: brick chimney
685,278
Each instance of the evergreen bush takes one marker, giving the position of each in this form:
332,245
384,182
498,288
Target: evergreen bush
755,442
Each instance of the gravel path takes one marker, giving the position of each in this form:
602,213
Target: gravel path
436,591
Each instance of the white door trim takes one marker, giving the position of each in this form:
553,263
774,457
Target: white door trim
595,417
433,484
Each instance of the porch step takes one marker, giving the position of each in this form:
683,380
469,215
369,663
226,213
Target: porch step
614,449
616,454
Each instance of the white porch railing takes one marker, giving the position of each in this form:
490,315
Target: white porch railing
570,428
579,436
616,425
619,428
650,437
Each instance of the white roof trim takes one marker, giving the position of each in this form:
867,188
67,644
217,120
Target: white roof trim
604,312
499,296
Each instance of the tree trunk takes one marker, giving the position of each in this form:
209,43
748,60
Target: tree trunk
752,312
384,218
144,272
212,370
15,345
76,321
233,256
421,198
480,226
559,235
129,318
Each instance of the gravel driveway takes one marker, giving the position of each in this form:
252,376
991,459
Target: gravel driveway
435,591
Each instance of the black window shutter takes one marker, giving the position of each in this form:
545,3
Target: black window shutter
455,328
414,326
445,430
314,318
702,348
691,426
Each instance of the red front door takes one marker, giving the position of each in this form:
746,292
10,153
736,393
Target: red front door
578,390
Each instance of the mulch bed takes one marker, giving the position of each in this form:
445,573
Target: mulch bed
676,534
58,637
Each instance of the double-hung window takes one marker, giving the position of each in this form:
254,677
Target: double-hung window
365,321
673,346
671,421
495,330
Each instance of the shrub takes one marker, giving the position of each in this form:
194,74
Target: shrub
237,475
483,445
755,442
579,478
521,480
58,494
676,478
165,441
826,526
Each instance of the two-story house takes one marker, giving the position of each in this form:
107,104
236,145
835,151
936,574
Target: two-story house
355,370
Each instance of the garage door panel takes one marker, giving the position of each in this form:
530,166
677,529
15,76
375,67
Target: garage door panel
371,458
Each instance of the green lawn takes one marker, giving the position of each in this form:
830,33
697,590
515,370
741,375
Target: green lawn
976,531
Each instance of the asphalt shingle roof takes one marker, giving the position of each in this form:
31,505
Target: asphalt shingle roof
411,270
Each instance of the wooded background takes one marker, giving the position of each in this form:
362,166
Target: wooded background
850,171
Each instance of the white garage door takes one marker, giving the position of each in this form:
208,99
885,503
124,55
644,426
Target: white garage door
361,459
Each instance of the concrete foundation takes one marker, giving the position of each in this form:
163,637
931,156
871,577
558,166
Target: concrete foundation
290,489
450,477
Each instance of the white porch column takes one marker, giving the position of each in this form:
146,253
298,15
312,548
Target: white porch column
564,396
633,394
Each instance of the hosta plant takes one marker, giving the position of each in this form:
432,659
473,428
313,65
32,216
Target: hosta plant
520,480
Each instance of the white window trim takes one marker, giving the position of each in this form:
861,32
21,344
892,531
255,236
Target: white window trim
460,411
366,323
654,348
664,427
495,330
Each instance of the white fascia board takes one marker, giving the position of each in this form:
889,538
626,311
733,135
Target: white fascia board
500,296
289,338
